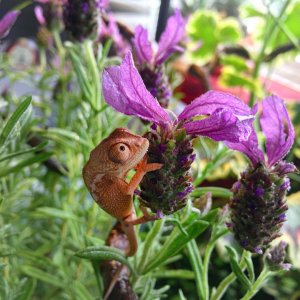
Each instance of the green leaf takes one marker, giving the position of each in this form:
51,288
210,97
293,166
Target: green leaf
179,274
181,295
59,134
14,121
104,253
233,257
216,192
197,266
30,150
175,242
27,290
229,31
237,62
43,276
82,292
24,163
56,213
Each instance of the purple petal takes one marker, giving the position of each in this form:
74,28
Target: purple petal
38,11
142,46
249,148
7,22
222,125
124,90
172,35
212,100
278,129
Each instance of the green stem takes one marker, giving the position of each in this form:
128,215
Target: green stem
257,284
261,55
209,249
197,265
216,192
225,283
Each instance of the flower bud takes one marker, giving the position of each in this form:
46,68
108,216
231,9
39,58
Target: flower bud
258,207
81,19
167,189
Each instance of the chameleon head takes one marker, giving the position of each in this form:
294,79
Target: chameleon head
120,152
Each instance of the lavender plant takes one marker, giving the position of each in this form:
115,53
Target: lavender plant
53,237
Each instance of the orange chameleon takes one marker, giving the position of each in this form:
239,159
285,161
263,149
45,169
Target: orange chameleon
105,172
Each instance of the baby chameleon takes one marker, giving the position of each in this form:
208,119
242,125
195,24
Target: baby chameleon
105,172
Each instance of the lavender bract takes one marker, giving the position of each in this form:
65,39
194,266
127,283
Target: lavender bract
229,119
7,22
258,204
150,64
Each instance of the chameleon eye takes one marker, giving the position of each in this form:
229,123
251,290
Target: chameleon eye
119,153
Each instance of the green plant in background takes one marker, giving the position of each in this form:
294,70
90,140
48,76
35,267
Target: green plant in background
208,30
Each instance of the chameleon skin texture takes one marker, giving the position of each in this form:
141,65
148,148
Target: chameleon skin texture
105,177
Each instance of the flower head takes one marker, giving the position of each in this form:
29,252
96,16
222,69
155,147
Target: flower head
227,119
167,44
258,204
150,63
109,30
7,22
276,256
81,19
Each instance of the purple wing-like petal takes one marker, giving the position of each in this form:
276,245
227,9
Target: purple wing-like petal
222,125
278,129
172,35
249,147
124,90
38,11
7,22
212,100
142,46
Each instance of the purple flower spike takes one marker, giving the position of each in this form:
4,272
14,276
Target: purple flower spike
7,22
38,11
142,46
278,129
173,34
125,91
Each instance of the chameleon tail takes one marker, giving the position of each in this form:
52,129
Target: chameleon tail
131,236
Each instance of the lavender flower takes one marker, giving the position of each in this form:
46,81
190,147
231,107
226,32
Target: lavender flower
228,119
276,256
150,64
81,19
50,15
110,30
7,22
258,205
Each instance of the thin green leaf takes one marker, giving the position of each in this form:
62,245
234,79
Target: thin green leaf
233,257
56,213
30,150
22,164
43,276
175,242
104,253
13,121
28,288
179,274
